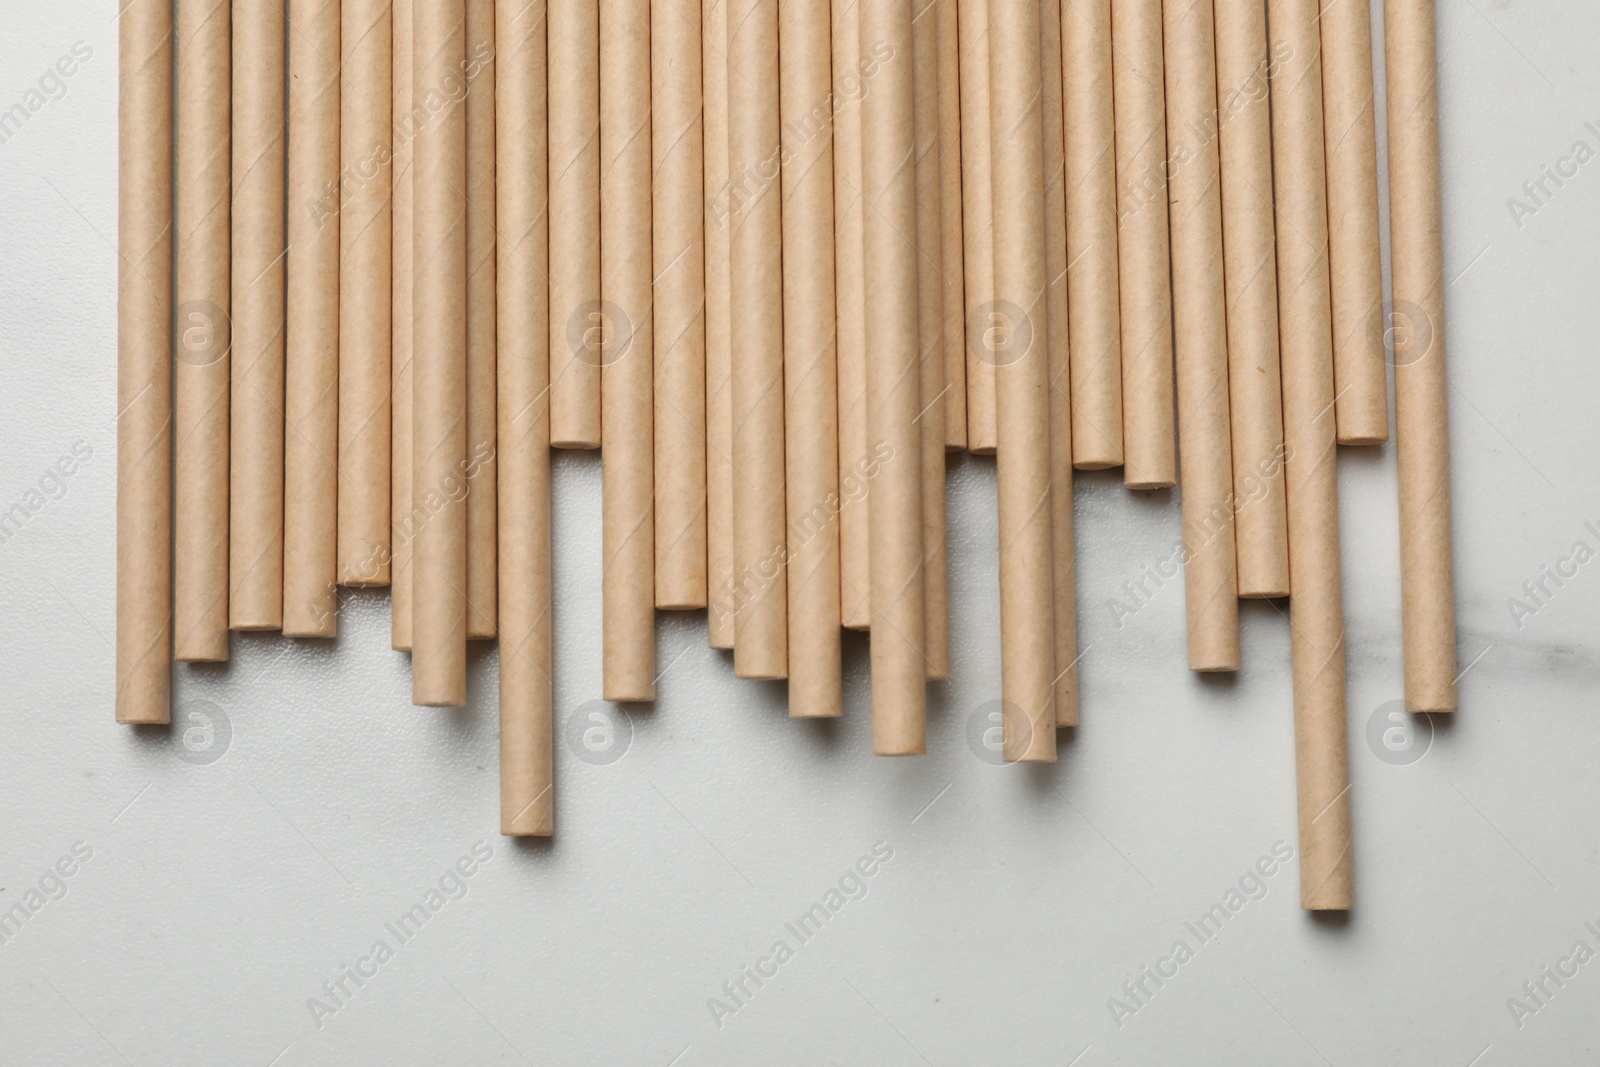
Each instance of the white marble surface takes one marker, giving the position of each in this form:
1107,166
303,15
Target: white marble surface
220,897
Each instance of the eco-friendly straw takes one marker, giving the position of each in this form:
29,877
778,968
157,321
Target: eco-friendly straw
256,300
1211,584
402,531
311,349
439,464
1255,398
810,384
1091,184
526,784
850,293
1316,608
930,338
719,352
1148,439
1422,409
482,525
899,688
1354,257
204,208
760,648
627,459
950,254
977,224
365,281
678,220
1059,401
144,369
576,324
1022,373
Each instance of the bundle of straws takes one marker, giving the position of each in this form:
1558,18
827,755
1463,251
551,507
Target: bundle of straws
378,257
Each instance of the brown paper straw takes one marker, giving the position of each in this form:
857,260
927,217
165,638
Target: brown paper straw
402,525
930,338
144,374
1416,220
760,649
1211,583
365,277
439,461
1063,567
1091,183
950,254
1255,399
977,226
810,385
719,356
200,513
1355,261
526,793
850,294
575,313
1317,613
1022,373
1148,440
627,390
899,688
680,288
480,189
311,356
255,446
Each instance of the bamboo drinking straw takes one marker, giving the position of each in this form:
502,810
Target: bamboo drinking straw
1255,400
526,793
256,301
1317,613
678,220
810,386
144,375
1022,373
1354,258
930,339
1091,183
1059,398
575,312
977,227
760,648
439,356
719,356
627,460
1416,220
311,356
480,207
1211,583
200,514
950,259
899,691
365,277
1148,441
849,235
402,526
